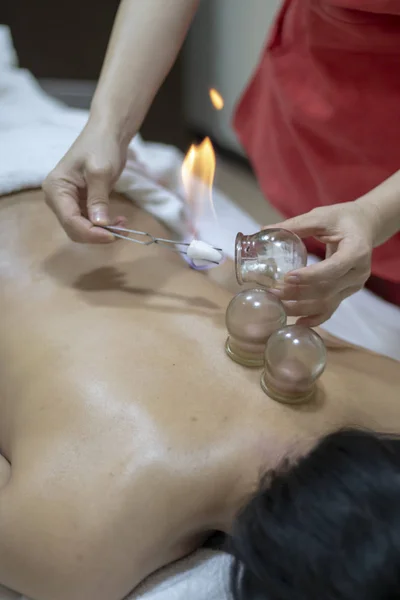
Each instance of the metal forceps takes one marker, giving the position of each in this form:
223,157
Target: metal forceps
169,244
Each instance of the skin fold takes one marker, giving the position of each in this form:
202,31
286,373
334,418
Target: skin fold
126,433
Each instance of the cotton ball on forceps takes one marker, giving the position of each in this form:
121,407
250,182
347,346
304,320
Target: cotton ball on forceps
202,253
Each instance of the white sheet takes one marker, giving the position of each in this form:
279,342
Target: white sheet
35,132
201,576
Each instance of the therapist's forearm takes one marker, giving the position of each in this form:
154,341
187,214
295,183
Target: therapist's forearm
145,41
383,203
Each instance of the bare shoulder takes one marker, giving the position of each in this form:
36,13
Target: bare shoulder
46,554
372,363
48,550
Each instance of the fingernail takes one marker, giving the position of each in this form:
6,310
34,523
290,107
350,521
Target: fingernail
100,217
292,279
276,292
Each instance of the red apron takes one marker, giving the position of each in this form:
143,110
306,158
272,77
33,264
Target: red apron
320,118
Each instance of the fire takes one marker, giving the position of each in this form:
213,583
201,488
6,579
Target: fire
198,171
216,99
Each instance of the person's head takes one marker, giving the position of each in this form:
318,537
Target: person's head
325,528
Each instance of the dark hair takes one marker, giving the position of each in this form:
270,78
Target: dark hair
325,528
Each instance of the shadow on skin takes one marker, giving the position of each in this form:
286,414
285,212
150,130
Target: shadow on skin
110,284
111,279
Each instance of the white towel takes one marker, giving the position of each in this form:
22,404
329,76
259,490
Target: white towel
204,575
36,131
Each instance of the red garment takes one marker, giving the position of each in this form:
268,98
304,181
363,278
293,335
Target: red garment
320,120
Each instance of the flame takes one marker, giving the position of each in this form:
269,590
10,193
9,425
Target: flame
198,171
216,99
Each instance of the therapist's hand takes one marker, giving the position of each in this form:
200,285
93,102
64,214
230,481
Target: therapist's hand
78,189
349,231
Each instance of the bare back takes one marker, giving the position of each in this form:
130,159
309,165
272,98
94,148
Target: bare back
123,420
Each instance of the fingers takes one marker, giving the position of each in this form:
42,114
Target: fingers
83,231
316,320
98,198
328,270
319,319
306,308
352,257
314,292
294,291
315,312
317,306
62,199
324,289
306,225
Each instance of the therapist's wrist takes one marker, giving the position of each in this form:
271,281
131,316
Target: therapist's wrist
382,205
372,215
109,123
383,212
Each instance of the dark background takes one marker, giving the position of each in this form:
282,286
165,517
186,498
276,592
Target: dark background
68,41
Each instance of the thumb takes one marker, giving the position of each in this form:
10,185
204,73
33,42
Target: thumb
306,225
98,198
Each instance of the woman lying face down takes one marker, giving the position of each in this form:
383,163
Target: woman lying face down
127,435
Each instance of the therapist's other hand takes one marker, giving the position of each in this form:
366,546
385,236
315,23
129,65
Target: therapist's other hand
78,188
348,231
